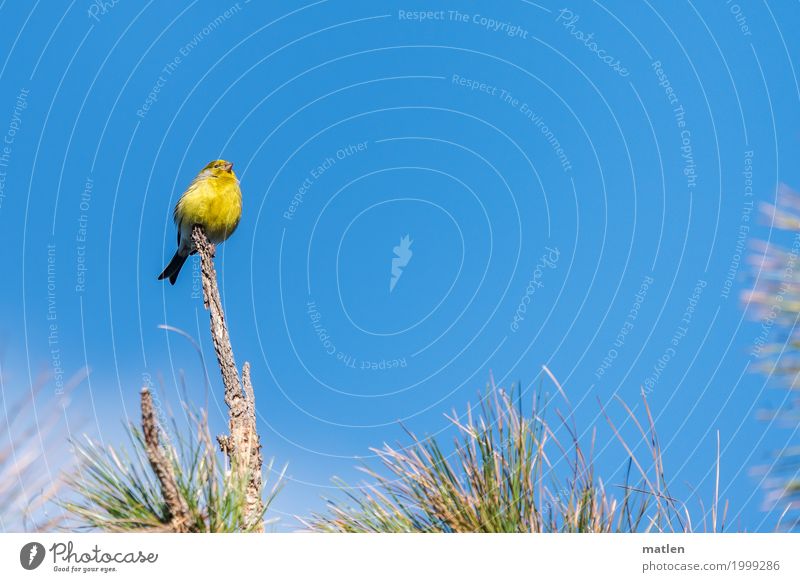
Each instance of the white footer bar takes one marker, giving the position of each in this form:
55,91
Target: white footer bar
416,557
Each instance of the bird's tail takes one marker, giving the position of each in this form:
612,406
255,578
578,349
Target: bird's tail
174,267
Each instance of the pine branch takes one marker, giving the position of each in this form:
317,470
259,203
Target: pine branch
242,446
162,467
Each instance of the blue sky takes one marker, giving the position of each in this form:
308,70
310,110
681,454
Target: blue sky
574,181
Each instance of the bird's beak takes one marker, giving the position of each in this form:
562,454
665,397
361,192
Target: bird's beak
229,167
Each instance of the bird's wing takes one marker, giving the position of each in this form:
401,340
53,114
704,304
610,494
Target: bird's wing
177,214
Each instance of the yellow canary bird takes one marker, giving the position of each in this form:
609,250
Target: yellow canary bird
214,201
